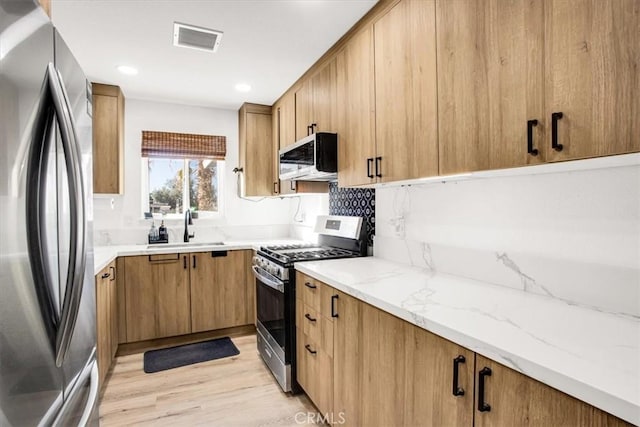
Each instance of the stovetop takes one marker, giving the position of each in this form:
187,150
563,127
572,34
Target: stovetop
304,252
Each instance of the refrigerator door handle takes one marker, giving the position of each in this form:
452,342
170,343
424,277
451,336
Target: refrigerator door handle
77,250
88,374
35,201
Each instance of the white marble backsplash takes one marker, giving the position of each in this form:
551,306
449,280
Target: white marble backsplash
574,236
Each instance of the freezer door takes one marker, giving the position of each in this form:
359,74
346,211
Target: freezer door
83,336
30,383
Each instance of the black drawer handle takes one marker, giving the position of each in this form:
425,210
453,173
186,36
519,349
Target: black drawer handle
457,390
184,262
530,125
275,188
308,347
105,275
309,318
113,273
482,405
379,167
554,131
310,285
369,164
334,312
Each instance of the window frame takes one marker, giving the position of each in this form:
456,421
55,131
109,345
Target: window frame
185,197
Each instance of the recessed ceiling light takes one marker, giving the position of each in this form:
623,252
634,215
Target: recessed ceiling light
126,69
243,87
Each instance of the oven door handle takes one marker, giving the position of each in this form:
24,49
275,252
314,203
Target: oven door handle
275,284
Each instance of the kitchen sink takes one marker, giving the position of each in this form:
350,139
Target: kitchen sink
184,245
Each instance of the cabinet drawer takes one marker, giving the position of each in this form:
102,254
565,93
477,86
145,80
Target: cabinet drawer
315,372
308,290
316,326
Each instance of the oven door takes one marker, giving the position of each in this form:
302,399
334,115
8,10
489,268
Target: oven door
271,310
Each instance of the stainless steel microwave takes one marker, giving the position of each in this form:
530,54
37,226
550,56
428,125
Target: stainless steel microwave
313,158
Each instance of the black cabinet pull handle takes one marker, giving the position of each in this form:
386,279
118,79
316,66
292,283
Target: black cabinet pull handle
379,167
530,125
309,318
482,405
308,347
457,390
184,262
310,285
105,275
313,128
369,164
113,273
275,188
554,131
194,261
292,184
308,130
334,313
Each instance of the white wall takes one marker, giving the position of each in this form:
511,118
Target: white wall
570,235
242,219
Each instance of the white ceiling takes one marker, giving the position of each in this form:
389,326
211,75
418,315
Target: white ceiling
268,44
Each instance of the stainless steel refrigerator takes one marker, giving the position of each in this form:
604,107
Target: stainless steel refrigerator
48,371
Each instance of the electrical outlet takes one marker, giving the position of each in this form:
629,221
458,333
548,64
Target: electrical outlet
397,225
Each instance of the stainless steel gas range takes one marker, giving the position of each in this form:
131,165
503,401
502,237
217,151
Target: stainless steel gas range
338,237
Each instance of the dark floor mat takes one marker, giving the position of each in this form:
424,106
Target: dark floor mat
183,355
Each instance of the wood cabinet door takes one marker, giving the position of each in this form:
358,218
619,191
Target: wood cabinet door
516,399
324,98
429,379
348,401
356,110
303,100
593,77
113,311
106,162
157,296
406,94
317,372
218,290
383,368
103,331
490,83
258,155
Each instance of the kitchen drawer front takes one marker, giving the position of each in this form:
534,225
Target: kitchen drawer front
315,372
308,290
317,327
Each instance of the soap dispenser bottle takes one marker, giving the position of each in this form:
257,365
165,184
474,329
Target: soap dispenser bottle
163,235
153,233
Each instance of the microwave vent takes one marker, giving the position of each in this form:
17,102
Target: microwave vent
193,37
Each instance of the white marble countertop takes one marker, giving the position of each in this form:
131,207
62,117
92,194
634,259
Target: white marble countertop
588,354
103,255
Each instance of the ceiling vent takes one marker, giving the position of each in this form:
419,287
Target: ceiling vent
193,37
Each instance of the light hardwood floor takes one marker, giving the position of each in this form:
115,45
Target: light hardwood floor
234,391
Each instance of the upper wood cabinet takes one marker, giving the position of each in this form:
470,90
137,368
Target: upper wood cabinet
405,91
219,291
592,58
108,139
256,150
316,102
490,80
356,111
502,80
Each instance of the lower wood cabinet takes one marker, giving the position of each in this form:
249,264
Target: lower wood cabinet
385,371
157,296
219,291
176,294
106,319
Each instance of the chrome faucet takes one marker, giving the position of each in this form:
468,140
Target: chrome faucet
187,223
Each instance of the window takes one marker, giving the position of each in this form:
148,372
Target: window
183,171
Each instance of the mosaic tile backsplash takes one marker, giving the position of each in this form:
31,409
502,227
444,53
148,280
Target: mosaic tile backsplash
354,202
